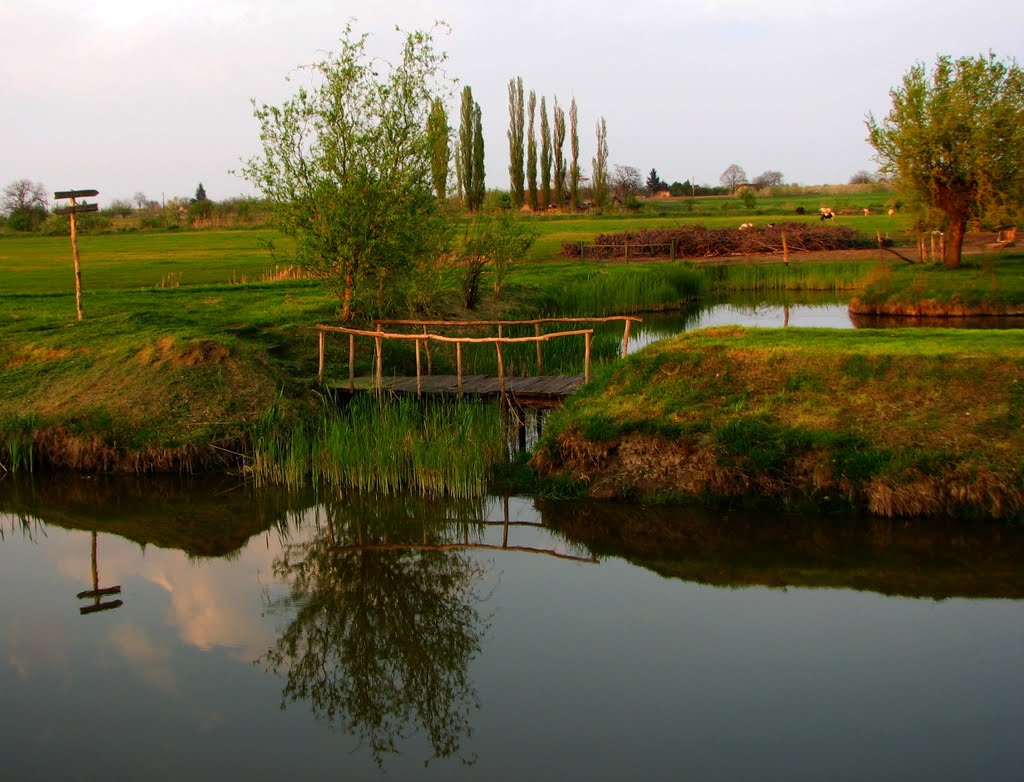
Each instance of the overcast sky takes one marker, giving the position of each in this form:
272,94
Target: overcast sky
136,95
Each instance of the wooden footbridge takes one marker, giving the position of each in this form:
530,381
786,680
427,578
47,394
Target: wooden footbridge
537,390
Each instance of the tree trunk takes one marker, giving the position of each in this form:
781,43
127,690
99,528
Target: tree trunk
346,298
954,243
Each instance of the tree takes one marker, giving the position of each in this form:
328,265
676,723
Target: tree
140,201
626,182
767,179
200,193
531,152
471,152
862,177
24,204
438,134
516,123
954,140
545,156
601,166
345,166
732,177
574,166
559,158
496,237
654,182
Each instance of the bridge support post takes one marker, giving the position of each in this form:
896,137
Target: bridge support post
320,370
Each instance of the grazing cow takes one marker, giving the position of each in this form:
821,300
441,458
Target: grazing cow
866,211
745,226
827,213
892,212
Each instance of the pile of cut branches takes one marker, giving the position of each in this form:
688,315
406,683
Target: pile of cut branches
700,242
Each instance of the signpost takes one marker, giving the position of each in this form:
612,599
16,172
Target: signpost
71,211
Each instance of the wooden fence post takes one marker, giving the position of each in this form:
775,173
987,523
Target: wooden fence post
458,364
586,356
419,381
379,378
426,346
351,362
540,350
320,371
501,369
625,338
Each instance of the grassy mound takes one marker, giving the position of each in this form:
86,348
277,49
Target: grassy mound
897,423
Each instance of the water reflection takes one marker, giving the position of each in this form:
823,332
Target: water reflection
382,622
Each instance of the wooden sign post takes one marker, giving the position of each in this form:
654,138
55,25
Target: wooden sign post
71,211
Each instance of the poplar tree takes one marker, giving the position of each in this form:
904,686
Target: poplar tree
559,157
545,156
531,152
515,139
438,134
601,166
465,152
574,168
479,189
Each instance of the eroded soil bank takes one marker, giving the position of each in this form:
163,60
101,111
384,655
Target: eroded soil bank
891,423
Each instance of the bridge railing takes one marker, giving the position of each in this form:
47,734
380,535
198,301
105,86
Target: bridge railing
426,337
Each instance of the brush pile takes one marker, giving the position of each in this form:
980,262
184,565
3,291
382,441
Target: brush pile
700,242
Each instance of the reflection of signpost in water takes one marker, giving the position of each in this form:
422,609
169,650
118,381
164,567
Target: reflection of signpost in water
96,593
71,211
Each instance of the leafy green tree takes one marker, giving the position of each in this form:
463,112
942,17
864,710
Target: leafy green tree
531,151
600,173
545,156
516,121
954,140
438,134
559,155
479,189
345,165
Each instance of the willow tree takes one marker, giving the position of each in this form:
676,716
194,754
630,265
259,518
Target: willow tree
516,121
954,141
345,165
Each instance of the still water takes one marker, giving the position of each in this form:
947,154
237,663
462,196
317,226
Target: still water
264,635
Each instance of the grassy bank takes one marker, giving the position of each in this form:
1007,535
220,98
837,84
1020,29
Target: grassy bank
897,423
990,285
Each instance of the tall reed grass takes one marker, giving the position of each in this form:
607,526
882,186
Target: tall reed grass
17,448
434,448
768,277
617,291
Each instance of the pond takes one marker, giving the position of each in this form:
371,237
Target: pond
265,635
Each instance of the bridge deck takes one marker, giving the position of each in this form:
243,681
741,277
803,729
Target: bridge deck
549,389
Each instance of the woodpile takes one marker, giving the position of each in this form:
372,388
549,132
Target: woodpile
700,242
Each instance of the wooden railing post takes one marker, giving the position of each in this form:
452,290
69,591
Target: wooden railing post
426,346
379,375
586,356
501,369
320,370
625,338
351,362
540,350
419,380
458,364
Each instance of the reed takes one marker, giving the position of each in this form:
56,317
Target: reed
17,443
387,446
769,277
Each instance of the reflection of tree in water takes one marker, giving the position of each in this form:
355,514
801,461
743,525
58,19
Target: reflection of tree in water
381,640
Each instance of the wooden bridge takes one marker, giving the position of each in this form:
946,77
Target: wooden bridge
534,391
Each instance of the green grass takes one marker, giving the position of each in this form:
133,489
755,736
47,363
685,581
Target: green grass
989,284
897,422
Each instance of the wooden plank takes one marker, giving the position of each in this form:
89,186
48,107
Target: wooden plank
75,194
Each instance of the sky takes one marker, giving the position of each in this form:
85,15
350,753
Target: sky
127,96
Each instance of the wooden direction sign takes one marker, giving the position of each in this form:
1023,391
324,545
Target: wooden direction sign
75,194
71,210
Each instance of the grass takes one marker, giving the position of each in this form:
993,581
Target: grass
896,422
386,446
989,285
